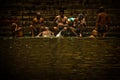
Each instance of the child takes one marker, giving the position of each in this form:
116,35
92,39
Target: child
94,34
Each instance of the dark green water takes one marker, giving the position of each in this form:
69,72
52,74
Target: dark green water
60,59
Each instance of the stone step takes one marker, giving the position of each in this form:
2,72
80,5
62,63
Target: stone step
6,31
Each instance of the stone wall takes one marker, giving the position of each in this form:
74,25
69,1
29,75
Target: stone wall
25,10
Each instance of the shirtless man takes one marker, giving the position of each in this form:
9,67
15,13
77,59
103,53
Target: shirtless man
61,20
37,25
102,22
46,33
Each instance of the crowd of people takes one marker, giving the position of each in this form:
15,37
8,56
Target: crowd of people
67,26
63,26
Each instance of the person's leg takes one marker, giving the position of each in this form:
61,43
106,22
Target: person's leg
105,31
81,30
104,35
100,34
32,30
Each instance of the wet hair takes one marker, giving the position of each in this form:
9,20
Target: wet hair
38,14
101,9
61,11
46,28
14,24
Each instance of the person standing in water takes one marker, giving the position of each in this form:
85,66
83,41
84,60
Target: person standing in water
102,22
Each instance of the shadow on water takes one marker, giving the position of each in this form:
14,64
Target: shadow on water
59,58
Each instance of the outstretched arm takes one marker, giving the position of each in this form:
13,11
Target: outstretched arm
39,34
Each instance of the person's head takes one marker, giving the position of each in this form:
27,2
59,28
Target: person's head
38,14
65,28
46,28
14,25
94,32
61,12
55,28
101,9
80,16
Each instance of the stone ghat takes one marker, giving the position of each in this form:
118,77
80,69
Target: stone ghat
59,59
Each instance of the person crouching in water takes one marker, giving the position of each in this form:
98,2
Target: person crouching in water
46,33
93,34
16,30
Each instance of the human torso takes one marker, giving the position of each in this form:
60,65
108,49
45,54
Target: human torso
38,21
61,21
103,18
